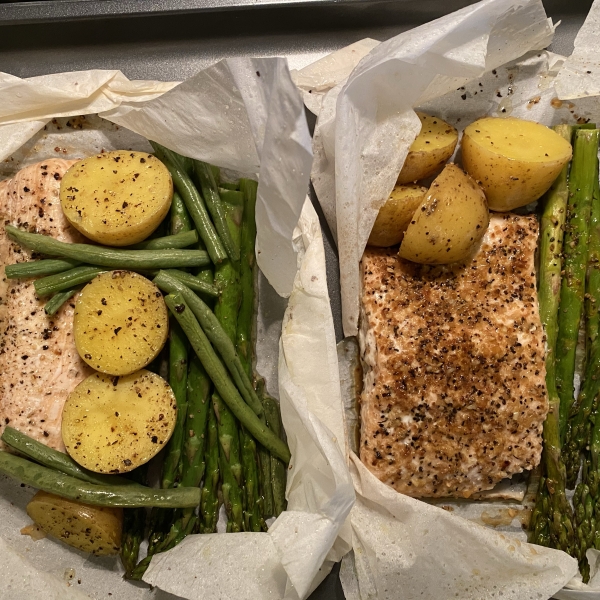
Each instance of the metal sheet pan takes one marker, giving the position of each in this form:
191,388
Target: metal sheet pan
172,39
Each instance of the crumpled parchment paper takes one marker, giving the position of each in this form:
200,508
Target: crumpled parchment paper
364,128
367,124
245,115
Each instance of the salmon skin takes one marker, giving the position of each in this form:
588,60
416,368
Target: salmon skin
454,396
39,364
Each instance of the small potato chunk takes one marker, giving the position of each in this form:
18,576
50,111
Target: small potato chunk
431,149
450,222
120,322
514,161
117,198
115,424
93,529
395,215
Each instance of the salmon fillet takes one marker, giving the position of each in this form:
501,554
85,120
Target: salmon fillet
454,395
39,364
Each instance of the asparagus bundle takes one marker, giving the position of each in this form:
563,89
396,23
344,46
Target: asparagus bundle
581,186
579,425
550,523
587,492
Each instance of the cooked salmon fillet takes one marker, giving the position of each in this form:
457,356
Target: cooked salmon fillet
454,394
39,364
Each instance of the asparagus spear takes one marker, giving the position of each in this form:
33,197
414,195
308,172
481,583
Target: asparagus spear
581,186
178,357
227,280
546,526
257,486
209,501
134,525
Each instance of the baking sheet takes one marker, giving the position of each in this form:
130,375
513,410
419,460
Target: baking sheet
177,46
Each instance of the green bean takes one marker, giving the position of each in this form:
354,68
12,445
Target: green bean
67,280
168,242
74,489
225,185
216,334
180,218
115,258
193,282
219,376
36,268
53,305
193,202
213,202
53,459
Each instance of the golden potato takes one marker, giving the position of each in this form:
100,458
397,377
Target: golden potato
115,424
395,215
120,322
93,529
431,149
514,161
450,222
117,198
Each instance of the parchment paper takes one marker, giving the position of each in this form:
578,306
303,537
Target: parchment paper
245,115
485,59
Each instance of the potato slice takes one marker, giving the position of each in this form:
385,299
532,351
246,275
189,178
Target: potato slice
117,198
431,149
450,222
395,215
514,161
120,322
93,529
115,424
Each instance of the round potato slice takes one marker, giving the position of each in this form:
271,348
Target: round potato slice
431,149
395,215
514,161
120,322
450,222
117,198
115,424
93,529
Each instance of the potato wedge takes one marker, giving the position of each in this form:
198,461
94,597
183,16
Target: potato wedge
514,161
395,215
450,222
120,322
93,529
115,424
117,198
431,149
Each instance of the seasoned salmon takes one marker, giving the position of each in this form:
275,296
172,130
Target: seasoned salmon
39,364
454,394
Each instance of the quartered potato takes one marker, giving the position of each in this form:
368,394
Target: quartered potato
395,215
514,161
93,529
431,149
120,322
115,424
450,222
117,198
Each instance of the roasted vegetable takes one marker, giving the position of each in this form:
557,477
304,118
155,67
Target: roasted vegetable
431,149
115,424
120,323
117,198
449,223
396,214
515,161
93,529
